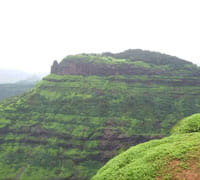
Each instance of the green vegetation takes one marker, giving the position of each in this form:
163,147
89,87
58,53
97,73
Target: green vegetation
150,57
100,59
88,58
69,126
169,158
188,125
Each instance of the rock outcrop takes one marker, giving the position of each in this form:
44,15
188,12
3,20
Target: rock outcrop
88,69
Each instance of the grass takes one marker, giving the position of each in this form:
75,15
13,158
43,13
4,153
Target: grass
173,157
188,125
149,160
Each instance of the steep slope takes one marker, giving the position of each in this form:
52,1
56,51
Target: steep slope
89,109
174,157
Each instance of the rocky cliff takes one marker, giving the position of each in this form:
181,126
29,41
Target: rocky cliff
88,69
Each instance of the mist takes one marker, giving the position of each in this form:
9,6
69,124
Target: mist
35,33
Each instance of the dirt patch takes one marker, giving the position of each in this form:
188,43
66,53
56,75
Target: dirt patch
178,170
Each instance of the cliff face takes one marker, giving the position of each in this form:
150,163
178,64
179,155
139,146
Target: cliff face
88,69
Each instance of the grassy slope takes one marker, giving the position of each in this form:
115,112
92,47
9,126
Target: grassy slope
187,125
68,126
149,161
174,157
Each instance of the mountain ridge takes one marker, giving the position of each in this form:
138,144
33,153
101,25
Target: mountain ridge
69,125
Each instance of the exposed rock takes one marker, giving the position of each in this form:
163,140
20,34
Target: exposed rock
55,67
101,69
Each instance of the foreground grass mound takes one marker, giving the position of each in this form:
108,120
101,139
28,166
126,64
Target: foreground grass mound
174,157
188,125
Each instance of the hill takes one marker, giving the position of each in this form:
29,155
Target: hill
174,157
12,76
187,125
89,109
8,76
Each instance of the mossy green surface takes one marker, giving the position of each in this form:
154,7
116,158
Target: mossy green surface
187,125
151,160
68,126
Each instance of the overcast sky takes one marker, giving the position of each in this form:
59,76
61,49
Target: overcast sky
33,33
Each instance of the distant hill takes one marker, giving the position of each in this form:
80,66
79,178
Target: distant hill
14,89
91,108
15,82
13,76
30,80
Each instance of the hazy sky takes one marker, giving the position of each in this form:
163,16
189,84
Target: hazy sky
33,33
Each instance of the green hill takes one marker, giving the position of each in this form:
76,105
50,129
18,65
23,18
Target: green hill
91,108
187,125
174,157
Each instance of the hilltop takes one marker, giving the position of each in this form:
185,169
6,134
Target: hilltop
92,107
174,157
130,62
